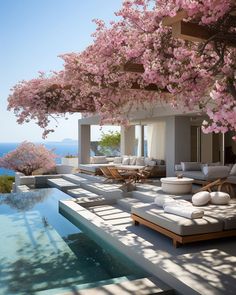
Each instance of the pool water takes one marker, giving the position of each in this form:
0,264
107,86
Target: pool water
41,252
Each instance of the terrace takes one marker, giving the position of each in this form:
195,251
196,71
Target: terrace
204,267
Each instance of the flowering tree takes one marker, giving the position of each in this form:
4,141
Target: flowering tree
198,76
44,98
28,157
189,75
219,17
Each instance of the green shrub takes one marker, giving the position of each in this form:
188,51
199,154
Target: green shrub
6,183
69,156
110,143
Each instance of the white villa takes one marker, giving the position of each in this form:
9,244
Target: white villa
171,135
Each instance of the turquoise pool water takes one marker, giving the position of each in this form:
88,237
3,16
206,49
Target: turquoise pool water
41,252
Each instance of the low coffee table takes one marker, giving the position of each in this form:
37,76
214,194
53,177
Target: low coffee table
177,186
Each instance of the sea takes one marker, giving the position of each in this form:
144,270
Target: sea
61,149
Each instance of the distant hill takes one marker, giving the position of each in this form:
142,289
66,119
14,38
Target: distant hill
69,140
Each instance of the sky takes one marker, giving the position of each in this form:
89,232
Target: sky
32,35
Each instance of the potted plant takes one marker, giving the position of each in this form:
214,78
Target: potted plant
71,160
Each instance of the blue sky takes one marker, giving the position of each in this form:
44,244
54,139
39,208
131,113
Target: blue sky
32,34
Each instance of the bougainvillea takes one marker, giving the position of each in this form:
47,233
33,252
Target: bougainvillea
28,157
195,76
44,98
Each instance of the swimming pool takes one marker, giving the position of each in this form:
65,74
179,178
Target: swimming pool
41,252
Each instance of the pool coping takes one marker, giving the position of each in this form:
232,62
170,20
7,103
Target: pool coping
131,245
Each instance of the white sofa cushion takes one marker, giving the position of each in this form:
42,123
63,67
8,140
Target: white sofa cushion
233,171
125,160
191,166
132,160
213,172
201,198
219,198
98,160
140,161
117,160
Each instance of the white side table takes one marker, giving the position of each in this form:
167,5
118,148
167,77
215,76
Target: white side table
177,186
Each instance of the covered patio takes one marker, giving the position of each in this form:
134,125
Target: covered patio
166,134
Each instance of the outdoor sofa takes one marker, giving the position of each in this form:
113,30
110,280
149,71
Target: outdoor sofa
206,172
218,221
202,172
124,162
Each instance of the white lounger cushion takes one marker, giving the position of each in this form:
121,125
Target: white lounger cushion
184,211
181,203
201,198
219,198
165,200
160,200
178,224
227,214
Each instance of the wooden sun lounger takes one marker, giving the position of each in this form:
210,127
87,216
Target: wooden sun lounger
178,239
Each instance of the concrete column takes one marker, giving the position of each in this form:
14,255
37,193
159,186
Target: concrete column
178,142
127,142
84,143
140,149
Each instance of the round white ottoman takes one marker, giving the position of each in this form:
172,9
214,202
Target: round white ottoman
176,186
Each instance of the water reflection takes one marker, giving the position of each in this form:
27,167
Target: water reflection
23,201
40,249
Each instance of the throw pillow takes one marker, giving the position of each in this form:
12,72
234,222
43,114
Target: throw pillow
191,166
149,162
125,161
214,172
159,162
132,160
117,160
233,170
140,161
160,200
178,167
201,198
220,198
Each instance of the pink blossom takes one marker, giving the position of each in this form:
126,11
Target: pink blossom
92,81
28,157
